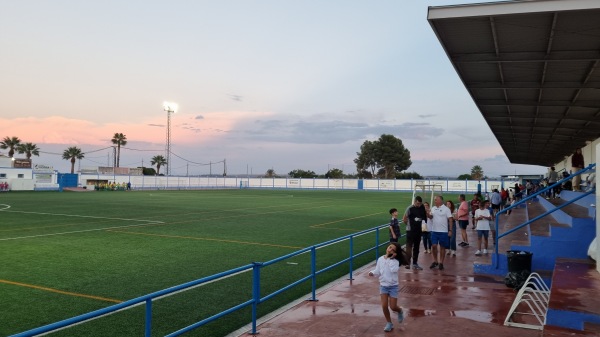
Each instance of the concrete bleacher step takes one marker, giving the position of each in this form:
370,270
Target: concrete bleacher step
543,226
574,210
574,301
567,232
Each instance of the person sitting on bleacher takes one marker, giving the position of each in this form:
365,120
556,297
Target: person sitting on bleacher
567,185
590,182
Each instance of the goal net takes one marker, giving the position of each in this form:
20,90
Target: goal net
244,184
428,191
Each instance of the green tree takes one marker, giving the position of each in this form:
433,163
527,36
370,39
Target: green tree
270,173
366,161
302,174
29,149
119,139
10,143
476,172
148,171
73,153
334,173
158,161
464,177
387,153
364,174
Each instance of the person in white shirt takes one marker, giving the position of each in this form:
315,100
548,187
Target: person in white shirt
387,270
441,231
483,217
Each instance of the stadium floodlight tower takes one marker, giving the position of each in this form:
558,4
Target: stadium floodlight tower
170,108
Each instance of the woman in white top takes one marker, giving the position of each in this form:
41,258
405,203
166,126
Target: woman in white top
483,217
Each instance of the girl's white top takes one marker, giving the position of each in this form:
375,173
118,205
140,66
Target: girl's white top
387,270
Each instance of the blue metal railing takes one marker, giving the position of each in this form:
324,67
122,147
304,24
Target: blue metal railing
524,201
256,286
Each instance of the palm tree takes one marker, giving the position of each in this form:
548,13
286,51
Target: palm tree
29,149
476,172
158,161
119,139
10,143
73,153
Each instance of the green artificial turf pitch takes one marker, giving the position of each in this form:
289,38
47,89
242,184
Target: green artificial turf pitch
67,253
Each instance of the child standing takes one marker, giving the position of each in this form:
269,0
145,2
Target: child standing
509,203
387,271
483,217
394,226
426,229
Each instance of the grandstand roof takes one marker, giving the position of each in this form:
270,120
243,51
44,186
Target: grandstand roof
533,70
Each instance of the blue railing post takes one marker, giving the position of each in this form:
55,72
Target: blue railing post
497,239
255,293
148,317
351,256
376,243
313,271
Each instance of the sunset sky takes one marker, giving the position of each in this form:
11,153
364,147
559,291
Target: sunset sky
264,84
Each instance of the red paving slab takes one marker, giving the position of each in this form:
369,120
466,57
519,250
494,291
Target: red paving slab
577,283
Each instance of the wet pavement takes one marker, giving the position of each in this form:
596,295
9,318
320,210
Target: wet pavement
453,302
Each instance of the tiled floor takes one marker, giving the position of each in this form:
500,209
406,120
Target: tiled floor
450,303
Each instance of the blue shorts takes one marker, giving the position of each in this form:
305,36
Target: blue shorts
483,233
391,290
440,238
463,224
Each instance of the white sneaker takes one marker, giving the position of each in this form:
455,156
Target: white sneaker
449,252
485,251
453,253
478,253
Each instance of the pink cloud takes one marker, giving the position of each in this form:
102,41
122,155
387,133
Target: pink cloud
186,129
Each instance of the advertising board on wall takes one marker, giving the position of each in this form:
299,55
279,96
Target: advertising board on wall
41,168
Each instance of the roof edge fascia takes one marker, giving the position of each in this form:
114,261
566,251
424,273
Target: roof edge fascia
508,7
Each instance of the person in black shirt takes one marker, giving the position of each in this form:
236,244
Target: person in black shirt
394,226
413,218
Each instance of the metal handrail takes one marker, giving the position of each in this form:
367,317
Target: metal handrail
256,298
524,201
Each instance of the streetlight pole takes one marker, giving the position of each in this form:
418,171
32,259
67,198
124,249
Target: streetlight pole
114,157
169,108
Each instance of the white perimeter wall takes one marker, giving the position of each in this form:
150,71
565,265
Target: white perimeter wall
162,182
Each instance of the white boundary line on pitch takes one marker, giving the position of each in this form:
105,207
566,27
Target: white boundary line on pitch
145,222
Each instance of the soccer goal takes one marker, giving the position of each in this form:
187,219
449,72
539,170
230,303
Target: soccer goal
427,190
244,183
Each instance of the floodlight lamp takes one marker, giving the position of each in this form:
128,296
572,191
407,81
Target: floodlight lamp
170,107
